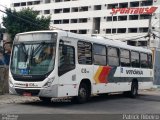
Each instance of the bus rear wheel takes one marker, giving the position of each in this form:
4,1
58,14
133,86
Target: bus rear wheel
134,90
83,93
45,99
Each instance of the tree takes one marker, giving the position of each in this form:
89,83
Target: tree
23,21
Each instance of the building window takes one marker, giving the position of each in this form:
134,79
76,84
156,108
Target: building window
121,30
99,52
110,6
73,31
57,21
83,20
133,17
16,4
85,8
84,52
132,30
132,43
108,31
47,1
113,56
122,18
58,0
74,20
82,31
142,43
109,18
74,9
46,11
143,30
147,3
29,3
23,4
125,58
114,30
36,2
66,0
134,4
97,7
56,11
66,10
144,16
66,21
123,5
114,18
135,59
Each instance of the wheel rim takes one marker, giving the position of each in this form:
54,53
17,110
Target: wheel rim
82,93
134,90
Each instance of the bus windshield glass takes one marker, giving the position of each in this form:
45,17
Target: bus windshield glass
33,57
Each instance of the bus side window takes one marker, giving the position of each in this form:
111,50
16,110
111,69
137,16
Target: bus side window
66,62
113,56
135,59
150,61
125,58
84,53
144,60
99,52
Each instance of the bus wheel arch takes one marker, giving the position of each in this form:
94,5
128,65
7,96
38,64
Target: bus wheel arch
84,91
134,88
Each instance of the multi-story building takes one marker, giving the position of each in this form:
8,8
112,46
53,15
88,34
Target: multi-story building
96,17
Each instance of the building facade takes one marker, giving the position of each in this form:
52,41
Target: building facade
96,17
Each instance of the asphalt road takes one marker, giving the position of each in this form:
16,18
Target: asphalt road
148,102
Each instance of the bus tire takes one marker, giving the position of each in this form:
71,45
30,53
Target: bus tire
45,99
134,89
83,93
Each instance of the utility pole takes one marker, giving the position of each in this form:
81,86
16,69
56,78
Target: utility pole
149,31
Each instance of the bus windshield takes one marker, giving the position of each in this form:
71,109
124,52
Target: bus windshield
33,57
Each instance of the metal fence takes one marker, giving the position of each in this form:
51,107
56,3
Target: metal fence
4,87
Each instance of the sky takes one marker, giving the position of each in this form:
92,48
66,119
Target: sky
5,3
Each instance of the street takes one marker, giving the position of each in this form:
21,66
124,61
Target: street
112,107
147,102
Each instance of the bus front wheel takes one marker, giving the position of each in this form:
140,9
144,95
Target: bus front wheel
83,93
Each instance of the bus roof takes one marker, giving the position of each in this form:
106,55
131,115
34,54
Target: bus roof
95,39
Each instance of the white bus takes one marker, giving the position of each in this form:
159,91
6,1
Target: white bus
56,63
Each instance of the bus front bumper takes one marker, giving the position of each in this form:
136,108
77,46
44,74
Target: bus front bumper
42,92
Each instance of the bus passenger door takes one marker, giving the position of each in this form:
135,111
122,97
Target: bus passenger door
66,70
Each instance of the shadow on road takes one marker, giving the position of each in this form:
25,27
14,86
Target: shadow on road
68,102
151,98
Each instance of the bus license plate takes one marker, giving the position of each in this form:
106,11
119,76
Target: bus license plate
27,94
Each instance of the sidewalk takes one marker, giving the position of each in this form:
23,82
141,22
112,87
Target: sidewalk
7,99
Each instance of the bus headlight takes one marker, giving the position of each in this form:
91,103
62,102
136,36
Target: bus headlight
49,82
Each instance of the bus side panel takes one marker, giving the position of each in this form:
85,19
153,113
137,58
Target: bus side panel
68,84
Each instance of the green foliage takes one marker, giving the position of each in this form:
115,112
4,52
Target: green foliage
23,21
